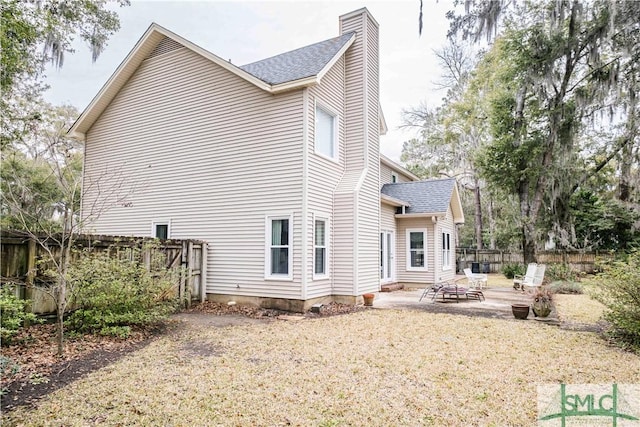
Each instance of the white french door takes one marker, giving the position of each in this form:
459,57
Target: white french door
387,256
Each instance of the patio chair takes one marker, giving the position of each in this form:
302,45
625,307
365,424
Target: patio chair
451,290
538,278
475,280
519,279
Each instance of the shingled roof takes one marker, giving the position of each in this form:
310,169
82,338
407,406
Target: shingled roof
431,196
298,64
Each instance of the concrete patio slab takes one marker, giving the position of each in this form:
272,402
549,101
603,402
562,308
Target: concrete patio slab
497,303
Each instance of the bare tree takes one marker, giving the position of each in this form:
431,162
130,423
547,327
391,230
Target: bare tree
51,217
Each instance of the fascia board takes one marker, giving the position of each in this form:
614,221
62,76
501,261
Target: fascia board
335,58
392,201
393,165
108,90
421,215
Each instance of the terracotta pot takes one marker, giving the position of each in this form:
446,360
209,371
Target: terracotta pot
520,311
368,299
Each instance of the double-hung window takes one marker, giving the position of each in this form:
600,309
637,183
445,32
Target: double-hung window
416,249
326,133
320,247
446,250
279,250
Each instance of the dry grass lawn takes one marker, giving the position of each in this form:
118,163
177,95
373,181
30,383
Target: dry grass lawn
372,368
578,308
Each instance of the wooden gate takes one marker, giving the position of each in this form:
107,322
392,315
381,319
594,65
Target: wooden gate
23,262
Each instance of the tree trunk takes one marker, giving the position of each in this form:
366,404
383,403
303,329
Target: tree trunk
492,225
528,244
528,224
61,307
478,223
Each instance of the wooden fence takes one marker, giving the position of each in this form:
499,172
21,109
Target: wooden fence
492,261
24,262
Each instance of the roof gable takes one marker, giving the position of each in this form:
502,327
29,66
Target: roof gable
156,34
432,196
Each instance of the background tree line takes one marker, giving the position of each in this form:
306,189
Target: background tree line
539,124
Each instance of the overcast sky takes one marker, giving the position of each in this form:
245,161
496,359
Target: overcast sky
249,31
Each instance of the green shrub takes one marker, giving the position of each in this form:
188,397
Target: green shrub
562,287
12,313
563,272
619,290
511,270
114,292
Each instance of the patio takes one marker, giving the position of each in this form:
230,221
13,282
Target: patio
497,303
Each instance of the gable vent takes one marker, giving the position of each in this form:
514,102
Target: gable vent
165,46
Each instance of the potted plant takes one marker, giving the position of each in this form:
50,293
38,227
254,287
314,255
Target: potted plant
542,302
368,299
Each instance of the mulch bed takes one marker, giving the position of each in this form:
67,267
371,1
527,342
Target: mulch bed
31,369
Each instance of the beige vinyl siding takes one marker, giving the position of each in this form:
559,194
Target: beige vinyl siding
210,152
369,215
324,174
414,278
387,217
385,175
354,95
357,200
448,225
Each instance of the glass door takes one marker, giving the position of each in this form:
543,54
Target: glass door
387,256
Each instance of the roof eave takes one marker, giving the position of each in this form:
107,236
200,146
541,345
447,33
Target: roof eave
423,215
383,122
294,84
336,57
392,201
456,205
393,165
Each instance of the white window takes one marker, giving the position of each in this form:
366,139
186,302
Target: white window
161,229
278,249
320,247
326,133
446,250
416,249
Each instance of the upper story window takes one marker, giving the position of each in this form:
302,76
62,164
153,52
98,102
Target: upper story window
326,124
279,252
394,178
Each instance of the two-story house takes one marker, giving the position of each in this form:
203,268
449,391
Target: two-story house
276,164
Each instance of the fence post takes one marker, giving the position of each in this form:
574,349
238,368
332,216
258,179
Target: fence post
192,260
31,274
183,272
203,272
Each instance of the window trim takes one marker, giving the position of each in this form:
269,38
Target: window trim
156,222
327,231
336,145
408,249
267,248
446,257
